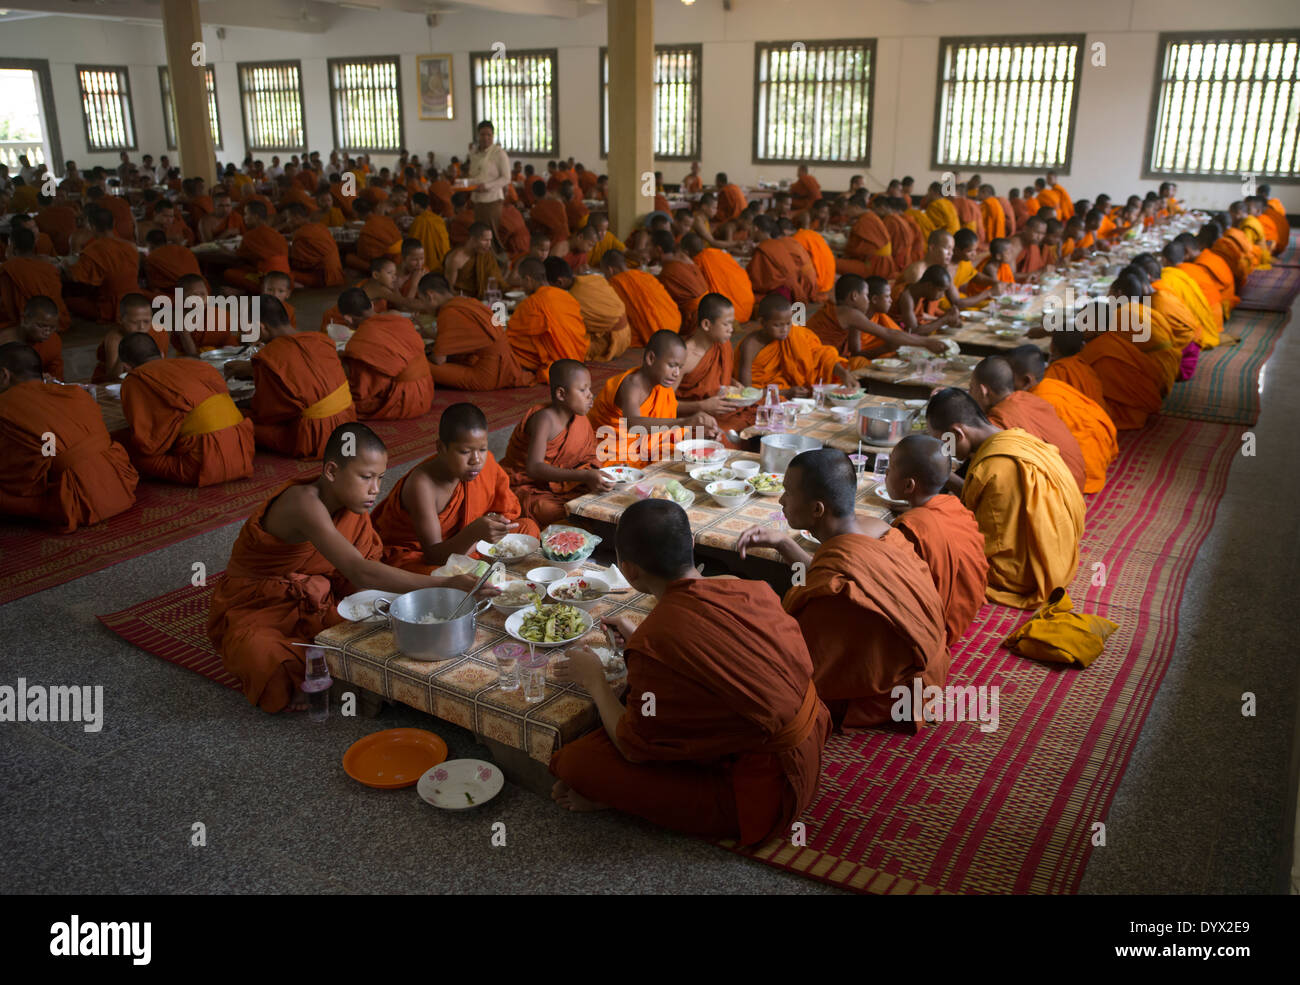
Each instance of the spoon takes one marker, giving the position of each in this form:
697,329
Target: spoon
498,566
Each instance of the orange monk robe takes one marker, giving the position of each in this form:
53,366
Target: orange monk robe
545,327
731,202
1031,259
298,196
123,220
692,184
804,192
869,252
430,229
487,492
573,448
314,256
549,214
1134,385
440,193
1031,207
478,354
301,395
873,621
387,371
1208,313
1089,423
905,240
263,250
1031,513
1171,320
1275,212
161,337
617,446
1020,211
89,477
1022,409
474,276
164,266
378,237
274,593
608,332
575,210
738,757
823,260
23,278
59,222
1234,256
727,277
971,216
112,265
946,537
51,353
826,325
993,219
1215,277
798,360
686,284
1081,376
586,182
649,307
184,426
512,230
1260,238
774,267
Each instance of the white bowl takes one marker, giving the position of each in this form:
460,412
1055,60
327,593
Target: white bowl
593,583
622,473
545,576
700,451
729,495
723,474
337,332
499,601
843,414
745,468
780,479
518,545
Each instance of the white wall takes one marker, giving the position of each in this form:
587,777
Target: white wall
1110,127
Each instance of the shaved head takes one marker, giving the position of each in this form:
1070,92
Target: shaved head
922,458
354,438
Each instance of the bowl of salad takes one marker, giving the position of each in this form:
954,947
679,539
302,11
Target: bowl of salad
670,490
768,483
518,594
511,547
741,396
549,625
581,591
567,547
705,474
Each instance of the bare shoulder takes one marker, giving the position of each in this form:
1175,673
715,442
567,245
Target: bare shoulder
547,421
295,512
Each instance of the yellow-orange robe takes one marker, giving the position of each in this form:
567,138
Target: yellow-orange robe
869,252
1031,413
430,229
1089,423
264,250
545,327
798,360
616,446
387,371
1081,376
774,267
301,394
314,256
947,538
649,307
823,260
573,448
826,325
686,284
723,275
608,332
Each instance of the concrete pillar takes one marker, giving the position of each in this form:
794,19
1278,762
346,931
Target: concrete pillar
181,30
631,109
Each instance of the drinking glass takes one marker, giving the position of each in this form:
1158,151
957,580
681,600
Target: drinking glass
532,672
507,656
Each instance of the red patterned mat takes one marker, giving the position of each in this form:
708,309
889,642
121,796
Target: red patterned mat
32,559
956,809
1274,289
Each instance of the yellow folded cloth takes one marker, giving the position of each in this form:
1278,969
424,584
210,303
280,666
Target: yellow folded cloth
1057,634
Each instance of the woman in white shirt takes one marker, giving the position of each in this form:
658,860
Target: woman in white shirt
489,168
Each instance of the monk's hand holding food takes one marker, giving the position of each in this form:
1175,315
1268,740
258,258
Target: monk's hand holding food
582,666
623,627
935,345
705,421
783,543
598,481
491,527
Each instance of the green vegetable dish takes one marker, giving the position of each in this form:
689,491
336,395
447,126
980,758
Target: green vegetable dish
552,624
766,482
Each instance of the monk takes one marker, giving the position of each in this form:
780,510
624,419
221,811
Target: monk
472,266
1027,504
1274,210
1135,314
681,278
1087,420
993,387
731,200
598,222
649,307
603,312
166,263
870,251
38,327
733,749
1066,366
58,464
637,416
262,249
314,259
107,263
450,501
942,531
547,325
135,315
301,389
378,237
182,425
996,267
776,268
709,366
58,220
722,275
846,325
305,549
823,260
1195,289
1133,385
548,211
387,372
24,276
430,229
805,189
551,457
788,355
1030,261
693,184
918,307
869,610
123,220
223,222
471,351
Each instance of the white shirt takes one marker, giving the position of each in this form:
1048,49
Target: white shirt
490,169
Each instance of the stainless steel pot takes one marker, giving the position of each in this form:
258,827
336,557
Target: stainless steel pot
777,450
884,425
436,640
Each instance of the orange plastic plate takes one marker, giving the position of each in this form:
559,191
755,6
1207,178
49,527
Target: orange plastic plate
396,757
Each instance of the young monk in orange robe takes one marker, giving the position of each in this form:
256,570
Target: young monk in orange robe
262,249
805,190
58,220
649,307
314,259
788,355
451,500
733,749
723,275
301,390
709,367
681,278
1066,367
774,266
470,350
306,548
110,264
547,325
183,426
1030,259
134,315
549,213
23,277
551,457
993,386
387,371
378,237
731,200
869,610
942,531
58,464
1132,385
1027,504
849,327
1221,304
39,328
645,399
870,251
166,263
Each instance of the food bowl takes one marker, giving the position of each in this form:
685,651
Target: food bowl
515,595
621,474
410,617
729,495
544,576
597,588
515,624
842,414
700,451
768,483
511,547
885,425
845,397
744,468
337,332
704,474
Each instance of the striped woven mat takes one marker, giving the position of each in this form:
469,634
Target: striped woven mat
1225,387
1271,290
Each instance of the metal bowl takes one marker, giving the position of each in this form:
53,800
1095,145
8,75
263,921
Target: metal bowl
777,450
885,425
431,641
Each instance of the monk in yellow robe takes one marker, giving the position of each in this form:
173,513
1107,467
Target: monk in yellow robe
870,251
1274,209
472,267
1027,504
791,356
430,229
547,325
603,313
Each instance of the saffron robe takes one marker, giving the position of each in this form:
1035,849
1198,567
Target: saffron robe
731,202
1134,386
870,246
387,372
24,278
823,260
1022,409
430,229
546,326
550,214
1089,423
686,284
616,445
604,315
946,537
478,353
723,275
301,394
649,307
1081,376
112,265
314,256
378,237
826,325
774,267
573,448
799,360
164,266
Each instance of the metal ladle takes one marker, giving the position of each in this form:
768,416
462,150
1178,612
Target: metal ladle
498,566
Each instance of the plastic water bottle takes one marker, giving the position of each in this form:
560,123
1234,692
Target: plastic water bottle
492,293
316,684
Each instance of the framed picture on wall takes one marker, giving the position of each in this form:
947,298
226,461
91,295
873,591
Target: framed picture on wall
433,74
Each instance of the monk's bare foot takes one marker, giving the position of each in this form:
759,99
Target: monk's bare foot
570,799
299,700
